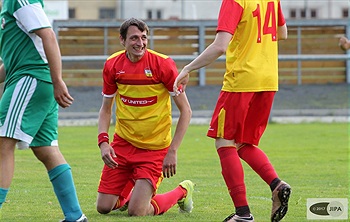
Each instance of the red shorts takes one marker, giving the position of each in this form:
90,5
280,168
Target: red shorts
133,163
241,116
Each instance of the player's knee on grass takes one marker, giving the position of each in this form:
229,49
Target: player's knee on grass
103,209
138,210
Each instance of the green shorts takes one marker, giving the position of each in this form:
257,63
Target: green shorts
29,112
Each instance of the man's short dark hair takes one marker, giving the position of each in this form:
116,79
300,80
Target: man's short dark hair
141,25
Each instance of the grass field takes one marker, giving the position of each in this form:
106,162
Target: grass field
312,158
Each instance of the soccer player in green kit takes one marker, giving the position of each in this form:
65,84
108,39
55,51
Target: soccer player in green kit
32,92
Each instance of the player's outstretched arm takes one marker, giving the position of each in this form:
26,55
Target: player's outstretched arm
209,55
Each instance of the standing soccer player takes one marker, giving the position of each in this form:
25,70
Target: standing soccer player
344,43
32,92
140,82
248,31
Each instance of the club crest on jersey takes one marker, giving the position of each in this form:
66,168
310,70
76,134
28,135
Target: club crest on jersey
148,73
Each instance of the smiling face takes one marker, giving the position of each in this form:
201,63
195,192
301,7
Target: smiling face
135,43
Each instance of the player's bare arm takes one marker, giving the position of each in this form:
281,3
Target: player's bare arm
209,55
53,55
344,43
105,114
170,160
282,32
2,73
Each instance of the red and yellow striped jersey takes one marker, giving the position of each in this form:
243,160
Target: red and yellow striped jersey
252,55
141,90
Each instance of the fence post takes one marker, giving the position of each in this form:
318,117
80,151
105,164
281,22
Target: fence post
299,53
105,41
201,47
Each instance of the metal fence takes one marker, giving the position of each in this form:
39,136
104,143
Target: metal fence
202,25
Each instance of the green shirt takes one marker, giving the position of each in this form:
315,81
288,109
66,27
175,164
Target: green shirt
21,49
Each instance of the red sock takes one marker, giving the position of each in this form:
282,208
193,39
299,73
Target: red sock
163,202
258,161
124,197
233,174
121,202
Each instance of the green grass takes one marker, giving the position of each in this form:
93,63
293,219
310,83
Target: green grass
312,158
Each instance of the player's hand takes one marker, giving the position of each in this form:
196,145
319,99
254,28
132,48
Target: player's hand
344,43
169,164
181,82
108,155
61,94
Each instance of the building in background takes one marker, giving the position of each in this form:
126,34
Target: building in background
196,9
144,9
317,9
56,10
92,10
182,9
